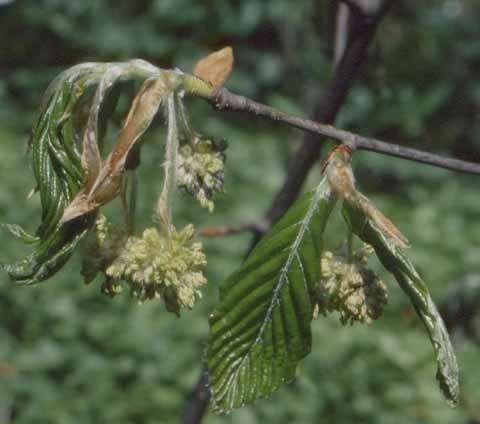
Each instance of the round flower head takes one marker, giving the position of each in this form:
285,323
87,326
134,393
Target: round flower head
350,288
159,265
201,170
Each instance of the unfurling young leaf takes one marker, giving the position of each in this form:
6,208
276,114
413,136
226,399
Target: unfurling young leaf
260,330
396,262
60,167
216,67
74,182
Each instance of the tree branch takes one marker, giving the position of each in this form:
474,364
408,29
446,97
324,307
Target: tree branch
340,37
223,99
346,71
226,100
227,230
198,403
354,6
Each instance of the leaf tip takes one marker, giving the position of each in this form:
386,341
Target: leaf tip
448,379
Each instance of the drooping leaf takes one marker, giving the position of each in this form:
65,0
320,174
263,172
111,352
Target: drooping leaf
396,262
260,329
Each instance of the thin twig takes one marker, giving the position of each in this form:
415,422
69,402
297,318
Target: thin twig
228,230
197,406
226,100
346,72
341,32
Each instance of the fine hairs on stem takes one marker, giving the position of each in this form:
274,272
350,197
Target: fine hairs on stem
183,120
165,201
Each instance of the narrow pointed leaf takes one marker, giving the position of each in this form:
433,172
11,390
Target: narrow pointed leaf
396,262
261,328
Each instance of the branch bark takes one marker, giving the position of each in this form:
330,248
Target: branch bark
228,230
226,100
198,403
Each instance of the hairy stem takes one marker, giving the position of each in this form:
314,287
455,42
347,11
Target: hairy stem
184,122
165,201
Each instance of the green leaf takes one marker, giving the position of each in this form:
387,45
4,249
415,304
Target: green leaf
396,262
261,328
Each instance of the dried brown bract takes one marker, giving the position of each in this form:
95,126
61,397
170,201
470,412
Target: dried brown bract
216,67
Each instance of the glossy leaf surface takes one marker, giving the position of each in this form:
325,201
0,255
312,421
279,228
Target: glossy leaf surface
261,328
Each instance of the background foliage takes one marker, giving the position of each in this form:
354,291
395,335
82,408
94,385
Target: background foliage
70,355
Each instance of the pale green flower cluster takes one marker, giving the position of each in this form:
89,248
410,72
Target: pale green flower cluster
157,265
201,171
166,266
350,288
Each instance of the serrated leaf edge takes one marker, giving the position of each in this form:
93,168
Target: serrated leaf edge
323,191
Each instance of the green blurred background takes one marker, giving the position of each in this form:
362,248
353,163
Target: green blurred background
70,355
